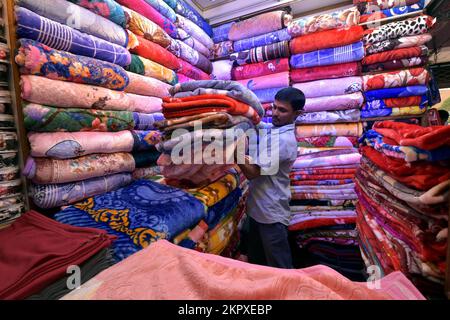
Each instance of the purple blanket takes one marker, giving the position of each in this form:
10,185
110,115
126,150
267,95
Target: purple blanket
330,87
331,103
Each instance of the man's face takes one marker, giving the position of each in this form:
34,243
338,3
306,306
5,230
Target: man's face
283,113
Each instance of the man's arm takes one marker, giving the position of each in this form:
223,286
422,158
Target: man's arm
250,171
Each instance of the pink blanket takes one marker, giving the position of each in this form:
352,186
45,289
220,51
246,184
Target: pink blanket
277,80
74,95
147,86
330,87
166,271
331,103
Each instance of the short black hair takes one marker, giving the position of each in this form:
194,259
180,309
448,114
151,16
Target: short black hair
443,114
295,97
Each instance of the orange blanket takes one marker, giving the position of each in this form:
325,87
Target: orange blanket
166,271
188,106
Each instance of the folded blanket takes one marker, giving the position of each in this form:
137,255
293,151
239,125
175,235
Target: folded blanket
183,8
182,78
154,52
65,145
328,141
326,39
42,118
258,25
400,78
191,71
73,95
325,57
37,59
57,195
408,153
146,86
369,6
428,138
61,37
333,103
317,219
176,107
342,129
349,195
45,170
146,28
421,101
276,80
164,8
260,54
216,191
260,69
205,266
194,43
217,120
421,176
229,88
64,12
173,209
55,247
262,40
395,64
392,112
319,183
352,115
195,31
327,72
398,29
396,54
330,87
185,52
151,69
393,12
267,95
222,50
222,70
404,42
220,33
339,19
108,9
398,92
144,8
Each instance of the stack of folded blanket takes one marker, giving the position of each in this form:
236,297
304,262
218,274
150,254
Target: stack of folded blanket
11,197
256,52
197,113
403,189
44,259
398,51
325,65
89,121
373,10
168,40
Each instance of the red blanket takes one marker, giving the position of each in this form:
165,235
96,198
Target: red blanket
255,70
191,71
420,175
396,54
156,53
326,39
326,72
427,138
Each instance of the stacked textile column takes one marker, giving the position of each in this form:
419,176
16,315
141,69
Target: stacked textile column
255,53
198,110
395,81
325,65
403,189
11,198
165,43
88,129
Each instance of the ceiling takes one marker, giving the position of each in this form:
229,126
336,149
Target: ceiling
220,11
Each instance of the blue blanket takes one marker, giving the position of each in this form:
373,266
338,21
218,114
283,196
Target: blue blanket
221,209
330,56
184,9
61,37
263,40
138,214
220,33
399,92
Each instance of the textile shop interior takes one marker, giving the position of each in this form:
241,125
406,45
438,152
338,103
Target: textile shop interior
88,111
